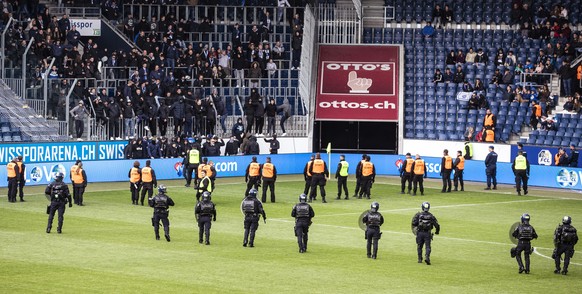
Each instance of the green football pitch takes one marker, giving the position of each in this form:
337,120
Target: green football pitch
108,246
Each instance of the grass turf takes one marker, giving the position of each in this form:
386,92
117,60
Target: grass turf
109,245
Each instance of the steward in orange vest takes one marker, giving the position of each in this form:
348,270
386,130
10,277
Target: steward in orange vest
319,175
269,174
134,176
79,180
148,180
253,175
459,166
13,173
368,172
406,173
419,172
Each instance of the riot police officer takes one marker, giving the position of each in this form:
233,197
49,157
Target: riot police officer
252,209
205,211
524,233
520,169
58,194
422,224
161,203
302,212
565,237
373,220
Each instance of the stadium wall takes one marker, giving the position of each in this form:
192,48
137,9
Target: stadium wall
435,149
232,166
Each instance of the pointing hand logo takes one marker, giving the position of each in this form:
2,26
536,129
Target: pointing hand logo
358,85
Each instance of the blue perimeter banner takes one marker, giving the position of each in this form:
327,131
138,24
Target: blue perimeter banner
62,151
235,166
541,155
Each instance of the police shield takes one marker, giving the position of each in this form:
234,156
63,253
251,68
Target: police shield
511,230
361,223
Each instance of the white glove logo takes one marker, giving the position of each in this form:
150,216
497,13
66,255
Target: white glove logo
358,85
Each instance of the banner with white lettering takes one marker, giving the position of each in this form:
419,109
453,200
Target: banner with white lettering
62,151
358,82
87,27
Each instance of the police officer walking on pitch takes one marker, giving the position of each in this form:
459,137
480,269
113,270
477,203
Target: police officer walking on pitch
319,175
252,209
79,179
373,220
253,175
573,158
21,178
422,224
459,166
205,211
161,203
148,180
491,168
269,175
58,193
303,213
524,233
406,173
191,162
341,174
520,169
419,173
565,237
134,182
446,170
13,173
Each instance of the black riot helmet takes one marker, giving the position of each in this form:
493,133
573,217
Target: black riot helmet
425,206
253,193
375,206
566,220
59,176
525,218
206,196
303,198
162,189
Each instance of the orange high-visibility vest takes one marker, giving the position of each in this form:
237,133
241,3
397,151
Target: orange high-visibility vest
318,166
419,167
489,120
557,159
461,164
74,170
448,162
309,163
146,174
538,110
268,170
489,136
77,176
135,175
367,169
208,169
409,162
200,168
11,169
254,168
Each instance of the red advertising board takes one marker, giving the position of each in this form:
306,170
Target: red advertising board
358,83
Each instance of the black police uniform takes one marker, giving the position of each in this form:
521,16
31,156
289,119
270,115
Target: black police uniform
59,197
574,158
565,237
253,209
205,212
373,221
302,212
161,203
491,169
524,233
423,222
307,177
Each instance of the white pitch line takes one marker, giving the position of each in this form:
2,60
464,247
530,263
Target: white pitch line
449,206
549,257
